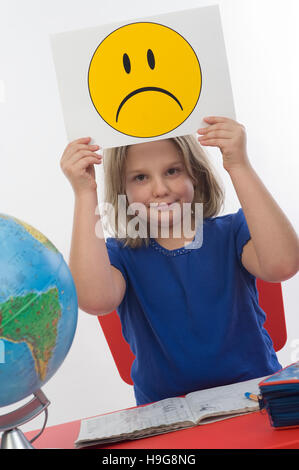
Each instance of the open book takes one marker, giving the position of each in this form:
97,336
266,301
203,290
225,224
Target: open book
201,407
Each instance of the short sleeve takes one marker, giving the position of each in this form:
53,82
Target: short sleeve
241,232
116,259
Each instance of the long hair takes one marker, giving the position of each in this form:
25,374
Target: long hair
207,187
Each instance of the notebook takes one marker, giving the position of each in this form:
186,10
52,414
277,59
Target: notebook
280,397
170,414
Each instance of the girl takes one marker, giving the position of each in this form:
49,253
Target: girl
191,315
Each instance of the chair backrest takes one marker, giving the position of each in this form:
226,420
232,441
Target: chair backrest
270,300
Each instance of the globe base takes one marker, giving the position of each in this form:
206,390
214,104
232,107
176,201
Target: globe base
15,439
12,437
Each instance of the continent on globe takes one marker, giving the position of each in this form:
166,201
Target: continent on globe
18,323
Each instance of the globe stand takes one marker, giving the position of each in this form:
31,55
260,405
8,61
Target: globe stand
12,437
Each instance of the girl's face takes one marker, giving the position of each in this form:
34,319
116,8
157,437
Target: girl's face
155,173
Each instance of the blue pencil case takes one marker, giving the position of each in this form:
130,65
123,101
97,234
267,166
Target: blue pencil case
280,397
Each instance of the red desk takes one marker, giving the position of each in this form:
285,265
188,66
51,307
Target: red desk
251,431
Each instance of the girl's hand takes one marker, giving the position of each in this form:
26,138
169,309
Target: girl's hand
77,163
230,137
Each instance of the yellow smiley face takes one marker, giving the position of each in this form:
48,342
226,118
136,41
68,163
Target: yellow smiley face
144,79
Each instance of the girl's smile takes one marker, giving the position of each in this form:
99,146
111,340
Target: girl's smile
163,205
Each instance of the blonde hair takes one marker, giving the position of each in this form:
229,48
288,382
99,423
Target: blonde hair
207,188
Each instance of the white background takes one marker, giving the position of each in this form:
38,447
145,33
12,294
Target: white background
261,39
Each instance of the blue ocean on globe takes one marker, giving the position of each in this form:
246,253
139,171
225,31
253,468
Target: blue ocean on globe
38,309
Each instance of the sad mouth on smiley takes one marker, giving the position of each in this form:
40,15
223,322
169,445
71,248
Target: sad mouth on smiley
151,63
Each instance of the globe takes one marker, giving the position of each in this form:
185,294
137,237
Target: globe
38,310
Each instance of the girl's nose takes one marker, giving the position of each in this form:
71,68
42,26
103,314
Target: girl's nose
159,188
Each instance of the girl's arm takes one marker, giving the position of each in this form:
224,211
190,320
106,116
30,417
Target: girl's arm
272,253
273,250
98,288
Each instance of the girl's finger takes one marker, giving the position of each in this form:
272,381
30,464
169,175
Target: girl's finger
79,141
217,133
216,119
70,147
85,162
222,126
85,147
81,155
213,142
74,147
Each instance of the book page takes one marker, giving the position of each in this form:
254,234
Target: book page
129,422
224,400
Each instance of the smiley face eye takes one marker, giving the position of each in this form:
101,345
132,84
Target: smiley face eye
127,63
151,59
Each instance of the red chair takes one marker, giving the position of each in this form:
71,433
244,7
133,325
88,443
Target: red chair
270,300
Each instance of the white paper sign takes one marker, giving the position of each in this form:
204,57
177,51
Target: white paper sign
145,79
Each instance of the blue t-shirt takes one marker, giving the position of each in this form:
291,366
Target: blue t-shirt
191,316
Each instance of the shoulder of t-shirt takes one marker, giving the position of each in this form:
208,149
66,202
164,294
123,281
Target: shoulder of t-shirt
235,220
226,217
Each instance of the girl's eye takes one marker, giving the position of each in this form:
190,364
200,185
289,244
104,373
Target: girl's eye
170,170
136,177
176,169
